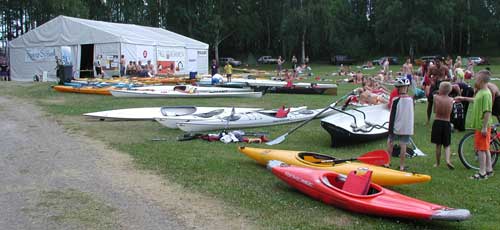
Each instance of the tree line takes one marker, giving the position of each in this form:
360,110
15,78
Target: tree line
314,28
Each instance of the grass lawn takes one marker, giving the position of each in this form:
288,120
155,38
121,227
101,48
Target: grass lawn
220,171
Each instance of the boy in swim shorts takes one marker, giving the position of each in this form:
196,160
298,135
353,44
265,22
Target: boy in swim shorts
441,128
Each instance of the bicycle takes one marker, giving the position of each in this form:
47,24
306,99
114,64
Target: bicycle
467,153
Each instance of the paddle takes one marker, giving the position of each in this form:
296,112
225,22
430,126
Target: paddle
376,157
283,137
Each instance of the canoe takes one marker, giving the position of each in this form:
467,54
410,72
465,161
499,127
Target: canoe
357,194
183,94
382,176
150,113
252,119
84,89
357,125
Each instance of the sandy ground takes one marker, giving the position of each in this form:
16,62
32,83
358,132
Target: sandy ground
51,179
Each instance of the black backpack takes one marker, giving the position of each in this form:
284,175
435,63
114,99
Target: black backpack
457,116
396,149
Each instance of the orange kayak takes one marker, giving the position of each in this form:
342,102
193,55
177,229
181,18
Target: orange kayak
84,89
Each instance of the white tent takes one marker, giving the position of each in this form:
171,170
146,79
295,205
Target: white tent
80,42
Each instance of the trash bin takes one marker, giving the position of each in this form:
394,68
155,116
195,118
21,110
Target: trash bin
64,73
68,73
192,75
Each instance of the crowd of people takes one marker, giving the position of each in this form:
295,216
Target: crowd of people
445,85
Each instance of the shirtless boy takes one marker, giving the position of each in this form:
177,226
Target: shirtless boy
441,128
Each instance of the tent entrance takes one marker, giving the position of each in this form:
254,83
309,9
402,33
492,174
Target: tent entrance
87,61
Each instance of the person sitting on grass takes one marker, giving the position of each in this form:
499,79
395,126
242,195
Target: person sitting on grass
401,120
481,122
441,128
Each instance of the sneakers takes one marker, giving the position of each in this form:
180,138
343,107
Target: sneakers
490,173
478,176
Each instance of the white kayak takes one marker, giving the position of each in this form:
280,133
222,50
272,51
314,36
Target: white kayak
190,88
171,121
150,113
357,125
183,94
273,83
252,119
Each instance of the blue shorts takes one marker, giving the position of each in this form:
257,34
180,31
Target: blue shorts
403,139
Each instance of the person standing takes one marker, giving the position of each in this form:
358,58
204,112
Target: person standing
306,60
441,128
495,95
279,66
214,67
229,71
98,66
401,120
481,122
294,61
385,66
437,74
122,65
408,73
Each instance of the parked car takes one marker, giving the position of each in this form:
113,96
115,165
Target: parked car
231,61
267,60
392,61
479,60
341,59
426,59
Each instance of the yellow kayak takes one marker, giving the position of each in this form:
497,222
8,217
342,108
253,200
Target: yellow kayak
382,176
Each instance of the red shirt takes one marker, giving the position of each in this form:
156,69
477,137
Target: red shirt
394,93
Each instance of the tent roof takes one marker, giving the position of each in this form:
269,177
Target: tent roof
64,30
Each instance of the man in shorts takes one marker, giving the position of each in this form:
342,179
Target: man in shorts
401,120
441,128
481,122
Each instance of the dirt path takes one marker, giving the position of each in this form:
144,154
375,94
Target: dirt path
54,180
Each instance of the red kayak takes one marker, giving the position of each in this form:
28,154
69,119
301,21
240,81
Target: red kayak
356,193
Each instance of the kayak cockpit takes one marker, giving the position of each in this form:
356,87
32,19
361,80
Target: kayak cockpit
209,114
316,159
340,182
177,110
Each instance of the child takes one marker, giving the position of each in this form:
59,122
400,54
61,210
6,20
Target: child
441,128
481,122
401,120
229,71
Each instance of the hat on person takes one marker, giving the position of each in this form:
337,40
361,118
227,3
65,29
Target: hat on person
401,81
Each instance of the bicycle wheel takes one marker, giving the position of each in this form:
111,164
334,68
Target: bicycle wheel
466,152
468,155
494,150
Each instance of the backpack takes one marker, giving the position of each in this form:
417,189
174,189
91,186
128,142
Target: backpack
458,116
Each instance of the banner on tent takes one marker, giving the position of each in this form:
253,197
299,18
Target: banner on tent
171,60
40,54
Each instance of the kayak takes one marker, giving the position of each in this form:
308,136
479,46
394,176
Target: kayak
357,125
252,119
356,193
216,113
150,113
84,89
382,176
305,89
188,93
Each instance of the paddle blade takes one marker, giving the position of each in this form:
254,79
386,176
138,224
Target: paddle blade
277,140
377,157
